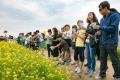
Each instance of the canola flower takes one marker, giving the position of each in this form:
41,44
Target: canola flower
20,63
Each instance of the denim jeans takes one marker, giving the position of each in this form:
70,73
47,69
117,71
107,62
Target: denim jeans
90,57
112,51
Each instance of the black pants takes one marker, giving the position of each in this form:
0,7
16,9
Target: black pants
112,51
55,52
97,52
49,50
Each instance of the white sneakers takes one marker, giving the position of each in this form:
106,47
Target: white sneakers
98,78
92,73
87,71
73,62
78,70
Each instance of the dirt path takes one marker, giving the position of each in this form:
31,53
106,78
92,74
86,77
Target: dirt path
83,76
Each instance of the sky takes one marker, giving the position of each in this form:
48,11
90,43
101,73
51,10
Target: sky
29,15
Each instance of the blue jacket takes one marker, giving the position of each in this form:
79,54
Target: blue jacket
109,28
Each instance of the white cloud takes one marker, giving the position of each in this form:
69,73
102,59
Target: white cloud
28,15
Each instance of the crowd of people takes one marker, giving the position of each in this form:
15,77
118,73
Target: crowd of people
98,38
65,42
35,40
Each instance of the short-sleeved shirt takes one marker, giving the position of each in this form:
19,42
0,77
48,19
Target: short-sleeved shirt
79,41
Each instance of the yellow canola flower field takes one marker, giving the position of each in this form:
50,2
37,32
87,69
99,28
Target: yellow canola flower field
20,63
